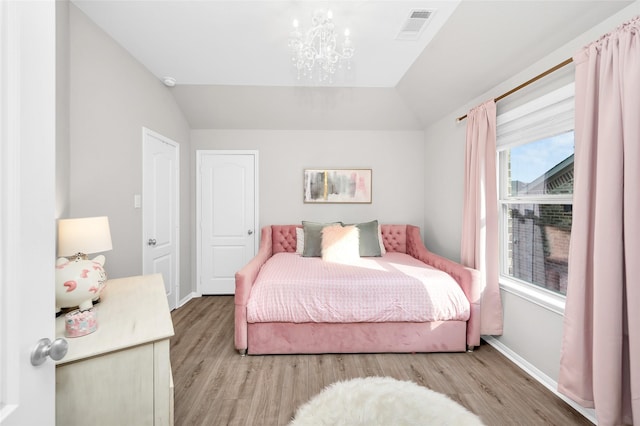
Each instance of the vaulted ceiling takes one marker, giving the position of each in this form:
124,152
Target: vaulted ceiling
233,69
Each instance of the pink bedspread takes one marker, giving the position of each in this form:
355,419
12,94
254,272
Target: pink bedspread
395,287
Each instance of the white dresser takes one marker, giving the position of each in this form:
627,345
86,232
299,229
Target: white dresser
121,373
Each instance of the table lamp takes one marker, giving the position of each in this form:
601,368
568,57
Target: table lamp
80,280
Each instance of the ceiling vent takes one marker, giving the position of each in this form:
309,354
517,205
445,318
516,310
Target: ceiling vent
415,23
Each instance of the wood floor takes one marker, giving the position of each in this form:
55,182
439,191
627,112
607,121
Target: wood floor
214,385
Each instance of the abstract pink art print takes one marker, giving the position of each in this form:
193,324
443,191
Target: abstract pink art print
337,186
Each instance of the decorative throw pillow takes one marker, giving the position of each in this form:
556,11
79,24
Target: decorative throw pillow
313,237
383,250
369,239
299,240
340,243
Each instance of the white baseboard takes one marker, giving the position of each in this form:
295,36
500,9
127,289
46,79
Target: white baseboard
190,296
538,375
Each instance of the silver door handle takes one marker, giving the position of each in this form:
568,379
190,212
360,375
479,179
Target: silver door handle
151,242
56,350
249,232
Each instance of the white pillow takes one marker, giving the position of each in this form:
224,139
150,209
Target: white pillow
340,244
299,240
382,249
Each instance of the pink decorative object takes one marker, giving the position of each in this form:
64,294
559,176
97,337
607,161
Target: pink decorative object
80,323
79,282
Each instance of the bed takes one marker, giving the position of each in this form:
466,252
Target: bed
290,303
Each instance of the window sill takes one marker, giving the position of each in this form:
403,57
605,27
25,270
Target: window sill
546,299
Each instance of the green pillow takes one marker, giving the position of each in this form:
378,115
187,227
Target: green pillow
313,237
369,241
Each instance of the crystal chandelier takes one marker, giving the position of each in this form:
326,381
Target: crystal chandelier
316,54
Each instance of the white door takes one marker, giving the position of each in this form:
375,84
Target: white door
27,210
160,211
227,219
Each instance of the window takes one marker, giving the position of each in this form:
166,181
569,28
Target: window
535,174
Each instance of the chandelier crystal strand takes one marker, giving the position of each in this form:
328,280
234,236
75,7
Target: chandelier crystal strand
316,52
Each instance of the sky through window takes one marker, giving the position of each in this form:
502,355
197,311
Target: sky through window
531,160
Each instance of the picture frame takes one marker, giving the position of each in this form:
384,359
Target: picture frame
331,186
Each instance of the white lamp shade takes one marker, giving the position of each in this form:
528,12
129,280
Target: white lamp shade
83,235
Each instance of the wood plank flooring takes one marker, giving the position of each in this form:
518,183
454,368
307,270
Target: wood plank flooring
214,385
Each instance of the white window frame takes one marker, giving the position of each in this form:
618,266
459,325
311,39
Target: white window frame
543,117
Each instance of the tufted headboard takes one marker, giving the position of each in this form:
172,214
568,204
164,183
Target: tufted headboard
283,238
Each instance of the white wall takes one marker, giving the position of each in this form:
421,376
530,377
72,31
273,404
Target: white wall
531,332
112,96
62,109
296,108
444,173
394,157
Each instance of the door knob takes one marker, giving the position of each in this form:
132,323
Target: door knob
56,350
152,242
249,232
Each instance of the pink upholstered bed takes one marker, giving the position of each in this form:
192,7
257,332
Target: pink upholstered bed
276,292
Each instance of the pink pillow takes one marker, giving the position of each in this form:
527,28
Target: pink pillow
340,244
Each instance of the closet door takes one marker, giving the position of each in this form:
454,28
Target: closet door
161,212
227,220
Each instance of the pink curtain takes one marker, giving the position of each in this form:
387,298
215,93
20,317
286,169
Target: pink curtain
479,248
600,360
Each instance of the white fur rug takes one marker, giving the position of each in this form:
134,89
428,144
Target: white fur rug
381,401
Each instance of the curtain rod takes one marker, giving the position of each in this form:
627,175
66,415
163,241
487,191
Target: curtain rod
528,82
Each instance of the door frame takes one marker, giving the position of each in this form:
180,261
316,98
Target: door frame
176,207
200,153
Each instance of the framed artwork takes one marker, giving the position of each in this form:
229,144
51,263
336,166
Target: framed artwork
337,186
